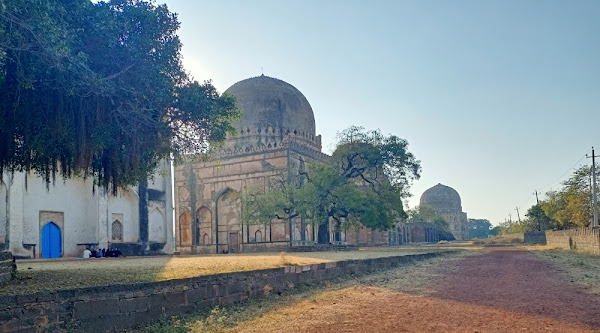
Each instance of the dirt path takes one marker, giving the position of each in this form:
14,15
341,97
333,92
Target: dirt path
518,281
500,290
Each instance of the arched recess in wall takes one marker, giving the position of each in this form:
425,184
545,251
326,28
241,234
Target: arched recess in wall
157,226
258,236
185,229
117,231
228,221
125,207
204,218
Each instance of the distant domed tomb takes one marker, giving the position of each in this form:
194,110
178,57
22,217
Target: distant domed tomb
446,202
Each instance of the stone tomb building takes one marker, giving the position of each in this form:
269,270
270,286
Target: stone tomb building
275,134
446,202
62,220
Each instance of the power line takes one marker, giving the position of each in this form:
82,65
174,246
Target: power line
561,176
554,182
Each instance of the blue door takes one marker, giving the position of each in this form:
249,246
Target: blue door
51,241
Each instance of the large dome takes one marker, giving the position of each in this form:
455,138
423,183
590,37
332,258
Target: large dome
269,104
442,198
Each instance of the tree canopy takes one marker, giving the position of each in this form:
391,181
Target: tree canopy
426,214
99,89
479,228
571,206
363,182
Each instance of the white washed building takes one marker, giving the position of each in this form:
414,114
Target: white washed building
36,222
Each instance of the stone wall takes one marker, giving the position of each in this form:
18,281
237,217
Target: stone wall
535,237
122,306
323,248
7,266
582,239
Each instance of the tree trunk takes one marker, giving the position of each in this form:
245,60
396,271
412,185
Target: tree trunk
324,233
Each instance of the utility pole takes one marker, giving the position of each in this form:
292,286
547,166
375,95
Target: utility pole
595,197
519,216
539,217
509,218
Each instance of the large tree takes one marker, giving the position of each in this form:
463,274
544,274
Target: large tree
539,219
571,206
365,181
98,89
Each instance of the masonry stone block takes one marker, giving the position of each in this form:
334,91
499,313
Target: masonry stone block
196,295
235,288
106,323
95,308
220,290
179,310
137,304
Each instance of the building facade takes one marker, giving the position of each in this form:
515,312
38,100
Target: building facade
63,219
276,134
446,202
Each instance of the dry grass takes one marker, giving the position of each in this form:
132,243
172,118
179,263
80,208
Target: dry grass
577,267
62,274
502,239
415,278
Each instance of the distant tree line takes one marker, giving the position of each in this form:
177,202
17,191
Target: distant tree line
481,228
570,206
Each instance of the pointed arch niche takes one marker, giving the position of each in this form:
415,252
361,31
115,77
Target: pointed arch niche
229,225
117,231
204,218
185,229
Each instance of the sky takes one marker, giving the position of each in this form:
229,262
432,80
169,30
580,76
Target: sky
497,99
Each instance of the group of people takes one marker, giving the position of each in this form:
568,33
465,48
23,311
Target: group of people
87,253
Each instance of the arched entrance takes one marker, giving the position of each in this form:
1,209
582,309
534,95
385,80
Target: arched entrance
229,227
51,241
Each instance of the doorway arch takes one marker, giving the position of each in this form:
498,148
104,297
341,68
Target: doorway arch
51,241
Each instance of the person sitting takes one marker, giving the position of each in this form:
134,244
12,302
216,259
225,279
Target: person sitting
87,253
94,254
118,253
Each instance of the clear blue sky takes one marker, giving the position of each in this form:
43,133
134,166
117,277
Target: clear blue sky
496,98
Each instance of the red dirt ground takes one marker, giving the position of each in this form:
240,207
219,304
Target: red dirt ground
500,290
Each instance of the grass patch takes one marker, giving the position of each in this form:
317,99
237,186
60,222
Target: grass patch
577,267
39,275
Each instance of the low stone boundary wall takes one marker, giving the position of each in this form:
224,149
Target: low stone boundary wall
535,237
582,239
7,266
323,248
122,306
